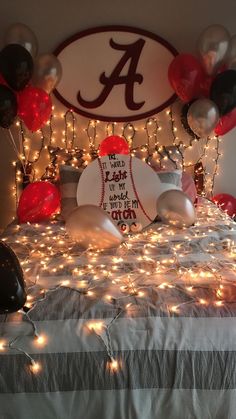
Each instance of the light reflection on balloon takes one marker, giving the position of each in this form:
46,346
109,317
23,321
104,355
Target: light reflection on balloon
38,201
90,226
20,34
175,208
47,72
203,116
213,45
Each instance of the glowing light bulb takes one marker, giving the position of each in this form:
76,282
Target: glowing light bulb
41,340
35,367
174,309
96,326
2,345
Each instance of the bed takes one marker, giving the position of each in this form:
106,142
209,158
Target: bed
147,330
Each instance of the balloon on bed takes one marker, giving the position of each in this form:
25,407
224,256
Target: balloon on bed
175,208
207,83
91,226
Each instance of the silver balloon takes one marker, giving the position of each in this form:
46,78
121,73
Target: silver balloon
20,34
203,116
212,45
175,208
90,226
231,57
47,72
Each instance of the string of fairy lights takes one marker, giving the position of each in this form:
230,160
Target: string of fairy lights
61,137
159,261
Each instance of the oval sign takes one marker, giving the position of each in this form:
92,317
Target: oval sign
115,73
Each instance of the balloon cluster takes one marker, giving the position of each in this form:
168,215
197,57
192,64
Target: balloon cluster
26,80
207,85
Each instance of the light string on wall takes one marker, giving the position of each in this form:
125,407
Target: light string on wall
69,142
66,125
91,132
216,161
151,128
128,132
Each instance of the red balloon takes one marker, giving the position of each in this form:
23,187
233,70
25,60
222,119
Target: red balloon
38,201
34,107
226,202
186,75
113,145
226,123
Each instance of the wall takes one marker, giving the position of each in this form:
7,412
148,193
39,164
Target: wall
179,21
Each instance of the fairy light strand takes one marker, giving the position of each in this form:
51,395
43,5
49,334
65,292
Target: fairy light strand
215,172
151,260
149,150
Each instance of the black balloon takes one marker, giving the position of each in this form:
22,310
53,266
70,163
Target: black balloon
223,91
16,66
8,106
12,286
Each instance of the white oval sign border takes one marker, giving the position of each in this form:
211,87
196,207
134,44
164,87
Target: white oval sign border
117,28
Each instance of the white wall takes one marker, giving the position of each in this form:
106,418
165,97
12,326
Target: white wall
178,21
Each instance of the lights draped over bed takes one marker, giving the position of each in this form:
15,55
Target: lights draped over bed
163,268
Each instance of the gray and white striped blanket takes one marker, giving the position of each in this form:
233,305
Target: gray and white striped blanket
173,339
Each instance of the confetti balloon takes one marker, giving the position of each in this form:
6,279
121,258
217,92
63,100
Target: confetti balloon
38,202
12,285
34,107
113,145
90,226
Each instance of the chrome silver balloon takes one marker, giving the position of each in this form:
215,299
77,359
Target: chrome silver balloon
47,72
175,208
20,34
203,116
90,226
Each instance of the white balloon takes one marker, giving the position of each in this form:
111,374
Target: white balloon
203,116
213,45
174,207
90,226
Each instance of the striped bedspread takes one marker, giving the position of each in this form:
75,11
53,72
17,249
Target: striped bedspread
147,331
